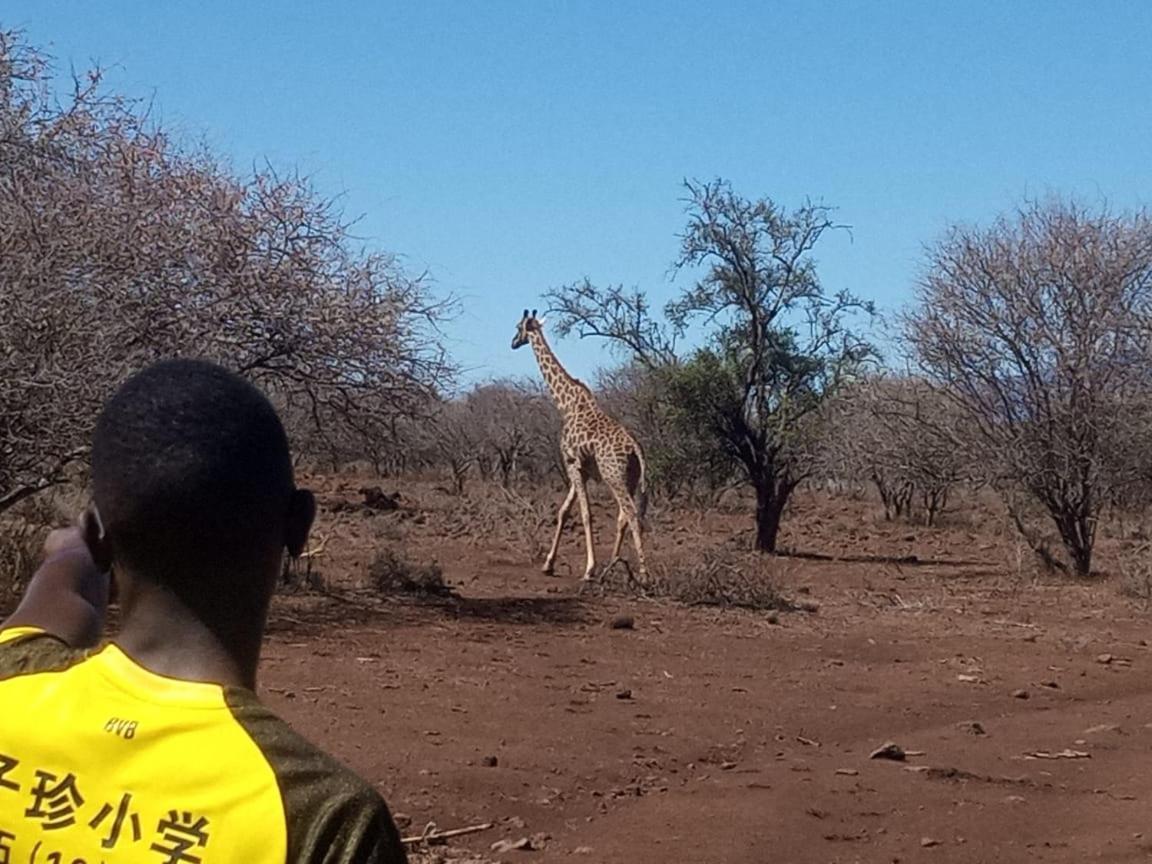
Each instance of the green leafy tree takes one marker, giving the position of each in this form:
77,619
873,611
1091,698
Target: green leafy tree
776,344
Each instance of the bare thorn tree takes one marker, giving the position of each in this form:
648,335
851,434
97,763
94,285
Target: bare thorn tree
119,246
1039,327
911,442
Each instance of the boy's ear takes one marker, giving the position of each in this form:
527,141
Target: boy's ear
96,538
301,513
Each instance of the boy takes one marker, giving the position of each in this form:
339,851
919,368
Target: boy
155,748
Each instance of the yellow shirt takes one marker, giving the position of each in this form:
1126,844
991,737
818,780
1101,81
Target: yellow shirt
102,761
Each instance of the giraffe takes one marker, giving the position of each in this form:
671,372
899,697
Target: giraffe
594,447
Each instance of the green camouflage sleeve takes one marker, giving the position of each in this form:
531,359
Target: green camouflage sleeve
332,815
27,650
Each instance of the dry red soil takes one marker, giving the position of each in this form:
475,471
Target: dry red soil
713,735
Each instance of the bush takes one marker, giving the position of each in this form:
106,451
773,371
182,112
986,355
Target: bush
300,574
390,573
715,578
152,249
20,544
1136,573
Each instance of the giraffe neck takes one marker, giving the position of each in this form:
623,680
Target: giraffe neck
568,393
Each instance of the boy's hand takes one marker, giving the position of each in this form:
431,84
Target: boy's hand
65,540
68,595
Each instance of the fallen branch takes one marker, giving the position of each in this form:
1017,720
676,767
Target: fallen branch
317,550
431,835
1006,623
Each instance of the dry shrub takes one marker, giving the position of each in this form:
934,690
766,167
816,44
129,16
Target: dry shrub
391,573
525,522
712,578
301,574
1135,567
20,544
23,530
445,855
108,218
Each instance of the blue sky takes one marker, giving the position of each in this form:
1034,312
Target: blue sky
508,147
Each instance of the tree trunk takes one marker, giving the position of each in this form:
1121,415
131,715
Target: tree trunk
771,497
1078,538
459,476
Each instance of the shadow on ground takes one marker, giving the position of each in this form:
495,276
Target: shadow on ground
312,614
900,560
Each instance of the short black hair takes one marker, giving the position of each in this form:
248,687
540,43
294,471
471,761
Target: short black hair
191,471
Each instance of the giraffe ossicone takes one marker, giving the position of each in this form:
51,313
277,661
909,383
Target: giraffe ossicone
593,446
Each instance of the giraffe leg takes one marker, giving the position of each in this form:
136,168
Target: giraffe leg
621,523
634,524
561,517
629,516
586,518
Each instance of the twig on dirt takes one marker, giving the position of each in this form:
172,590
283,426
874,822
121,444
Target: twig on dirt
431,835
1004,622
632,580
808,741
317,550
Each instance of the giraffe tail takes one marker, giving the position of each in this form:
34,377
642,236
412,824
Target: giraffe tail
638,483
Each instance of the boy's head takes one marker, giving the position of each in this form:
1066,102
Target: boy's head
192,483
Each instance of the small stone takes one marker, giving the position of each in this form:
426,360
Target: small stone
582,850
889,750
926,842
624,694
847,772
402,820
727,766
972,727
623,622
1104,658
539,841
773,618
489,761
1020,694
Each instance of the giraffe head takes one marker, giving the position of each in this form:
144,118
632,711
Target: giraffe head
527,325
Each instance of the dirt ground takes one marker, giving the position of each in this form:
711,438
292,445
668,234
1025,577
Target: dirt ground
1024,704
709,735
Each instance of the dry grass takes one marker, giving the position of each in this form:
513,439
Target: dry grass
1135,568
714,577
391,573
523,521
445,855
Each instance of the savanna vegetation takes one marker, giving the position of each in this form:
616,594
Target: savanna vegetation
1021,368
